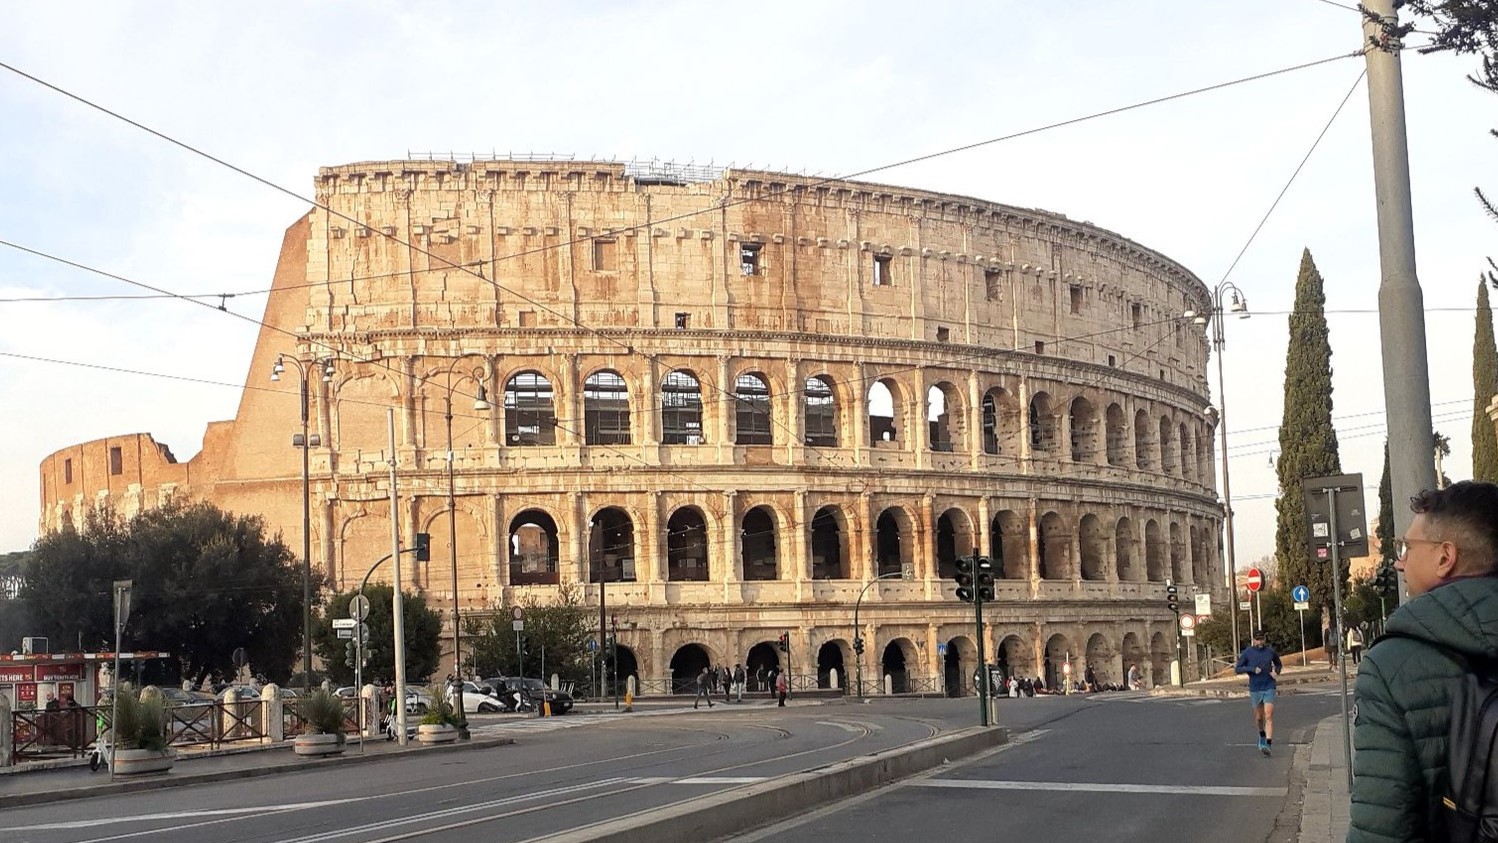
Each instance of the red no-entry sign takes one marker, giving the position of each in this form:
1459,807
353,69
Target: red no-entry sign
1255,579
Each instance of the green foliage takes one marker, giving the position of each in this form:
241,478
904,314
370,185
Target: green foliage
323,712
140,719
563,627
423,628
15,614
1464,27
1386,530
1484,386
1308,442
205,582
441,712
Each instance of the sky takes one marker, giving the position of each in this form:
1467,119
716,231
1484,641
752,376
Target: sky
826,88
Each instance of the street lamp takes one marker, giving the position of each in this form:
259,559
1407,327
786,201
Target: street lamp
1238,305
305,441
480,404
858,631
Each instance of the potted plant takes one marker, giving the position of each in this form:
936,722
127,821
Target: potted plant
440,723
322,728
140,737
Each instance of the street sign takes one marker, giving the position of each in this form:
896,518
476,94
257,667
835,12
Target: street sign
1301,607
358,607
345,633
1352,521
1204,604
941,649
592,644
1255,579
363,632
518,614
344,623
1189,632
1300,594
907,571
517,625
1245,605
1188,622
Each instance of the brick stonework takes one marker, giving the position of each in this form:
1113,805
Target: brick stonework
1069,438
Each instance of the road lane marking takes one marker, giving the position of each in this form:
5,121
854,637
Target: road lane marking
177,815
721,780
846,727
1090,787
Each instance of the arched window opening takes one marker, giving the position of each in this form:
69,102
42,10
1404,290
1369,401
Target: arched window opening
821,413
752,416
681,409
530,414
605,409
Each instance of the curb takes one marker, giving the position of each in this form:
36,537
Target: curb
732,812
168,780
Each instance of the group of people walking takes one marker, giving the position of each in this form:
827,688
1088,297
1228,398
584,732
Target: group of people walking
710,680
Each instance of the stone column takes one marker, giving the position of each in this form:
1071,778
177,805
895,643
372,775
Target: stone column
800,545
579,566
1032,519
731,565
569,404
722,437
974,423
655,551
645,415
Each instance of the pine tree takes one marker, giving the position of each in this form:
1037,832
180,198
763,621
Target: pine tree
1484,385
1308,442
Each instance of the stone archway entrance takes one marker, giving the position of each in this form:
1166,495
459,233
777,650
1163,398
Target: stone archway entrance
829,659
893,665
626,667
760,664
686,663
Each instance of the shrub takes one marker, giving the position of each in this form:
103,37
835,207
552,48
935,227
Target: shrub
141,719
323,713
441,711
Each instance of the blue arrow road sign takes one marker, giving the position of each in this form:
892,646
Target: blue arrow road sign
592,644
941,649
1300,594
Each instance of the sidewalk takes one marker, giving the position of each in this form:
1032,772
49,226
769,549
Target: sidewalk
1325,802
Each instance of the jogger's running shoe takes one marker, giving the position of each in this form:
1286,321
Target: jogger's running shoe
1264,746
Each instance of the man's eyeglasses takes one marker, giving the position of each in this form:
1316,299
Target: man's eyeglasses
1402,546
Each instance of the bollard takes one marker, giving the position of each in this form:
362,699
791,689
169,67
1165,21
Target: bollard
629,699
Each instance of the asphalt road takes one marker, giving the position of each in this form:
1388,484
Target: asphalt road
1115,767
551,780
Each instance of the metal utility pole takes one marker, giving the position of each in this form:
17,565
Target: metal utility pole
1401,304
1336,553
399,606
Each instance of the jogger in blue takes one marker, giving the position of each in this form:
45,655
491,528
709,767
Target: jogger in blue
1262,664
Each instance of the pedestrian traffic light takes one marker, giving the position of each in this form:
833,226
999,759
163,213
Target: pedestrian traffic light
784,641
965,578
1172,597
423,547
984,579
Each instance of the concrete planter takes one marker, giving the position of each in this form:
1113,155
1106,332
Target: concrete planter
440,733
318,744
130,762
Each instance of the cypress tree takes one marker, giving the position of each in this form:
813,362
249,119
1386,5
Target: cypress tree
1484,385
1308,442
1386,529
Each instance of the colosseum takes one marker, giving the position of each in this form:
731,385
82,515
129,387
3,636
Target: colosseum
745,402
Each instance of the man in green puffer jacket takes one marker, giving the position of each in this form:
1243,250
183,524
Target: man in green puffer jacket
1449,556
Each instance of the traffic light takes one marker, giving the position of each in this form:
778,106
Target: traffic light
965,578
858,645
784,641
985,579
351,653
1172,597
423,547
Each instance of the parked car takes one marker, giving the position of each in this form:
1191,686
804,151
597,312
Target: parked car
478,697
179,697
528,694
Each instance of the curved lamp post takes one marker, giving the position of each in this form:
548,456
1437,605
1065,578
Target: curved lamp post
305,441
858,631
1238,305
480,404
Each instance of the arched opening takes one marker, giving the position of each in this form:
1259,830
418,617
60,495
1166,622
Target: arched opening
1083,431
1123,548
828,562
1009,546
757,540
534,550
751,395
1188,469
1154,552
1094,548
760,666
820,408
893,664
830,660
1055,548
530,411
681,409
686,663
890,545
1043,433
959,664
1134,656
944,418
954,538
1100,661
686,546
1142,448
605,409
1167,448
884,412
1014,659
1058,654
1180,570
1117,435
611,546
1160,653
999,419
626,667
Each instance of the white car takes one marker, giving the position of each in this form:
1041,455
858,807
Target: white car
477,699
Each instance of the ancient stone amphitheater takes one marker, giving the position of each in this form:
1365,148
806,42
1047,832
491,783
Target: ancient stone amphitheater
737,398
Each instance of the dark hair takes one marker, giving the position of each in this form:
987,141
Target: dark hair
1470,510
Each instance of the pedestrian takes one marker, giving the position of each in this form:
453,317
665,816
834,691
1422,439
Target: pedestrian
1136,681
1261,663
759,678
782,686
1449,556
1355,644
1090,677
738,682
704,687
725,678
